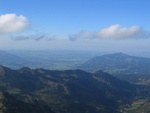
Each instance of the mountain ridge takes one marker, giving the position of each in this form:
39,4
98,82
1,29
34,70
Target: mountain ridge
71,90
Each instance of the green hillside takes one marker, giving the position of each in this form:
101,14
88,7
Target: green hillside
129,68
70,91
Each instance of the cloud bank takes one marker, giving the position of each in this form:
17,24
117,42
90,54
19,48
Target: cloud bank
113,32
10,23
36,37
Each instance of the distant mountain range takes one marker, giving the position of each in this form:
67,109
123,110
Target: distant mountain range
13,61
69,91
130,68
57,60
118,63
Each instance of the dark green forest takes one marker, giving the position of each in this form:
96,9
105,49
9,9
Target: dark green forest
71,91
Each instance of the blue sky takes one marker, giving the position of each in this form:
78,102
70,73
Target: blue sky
97,25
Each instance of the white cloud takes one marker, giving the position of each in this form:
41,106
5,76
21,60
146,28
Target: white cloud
10,23
113,32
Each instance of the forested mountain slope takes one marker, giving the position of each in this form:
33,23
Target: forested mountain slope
70,91
129,68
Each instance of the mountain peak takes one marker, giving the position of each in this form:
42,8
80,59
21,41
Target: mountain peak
120,54
118,63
